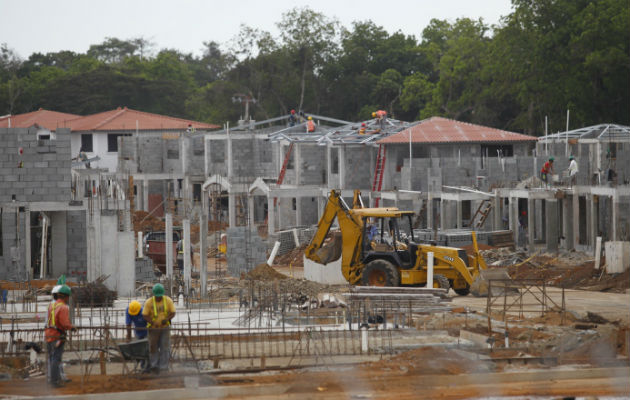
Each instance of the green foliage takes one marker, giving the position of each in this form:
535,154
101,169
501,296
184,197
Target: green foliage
545,57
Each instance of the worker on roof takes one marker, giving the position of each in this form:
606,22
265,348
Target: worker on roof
292,118
546,170
310,125
572,171
158,311
362,129
381,116
57,325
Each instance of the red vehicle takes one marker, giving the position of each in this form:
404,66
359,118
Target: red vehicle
155,248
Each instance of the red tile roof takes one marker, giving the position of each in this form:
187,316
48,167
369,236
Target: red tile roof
50,120
444,130
124,119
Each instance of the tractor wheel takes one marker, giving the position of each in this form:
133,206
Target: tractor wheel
463,291
440,281
380,273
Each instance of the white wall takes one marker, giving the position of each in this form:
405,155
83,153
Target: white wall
108,160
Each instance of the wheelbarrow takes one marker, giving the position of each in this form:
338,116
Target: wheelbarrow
136,351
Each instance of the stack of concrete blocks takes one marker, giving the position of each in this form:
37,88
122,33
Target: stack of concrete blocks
245,250
31,170
144,270
287,238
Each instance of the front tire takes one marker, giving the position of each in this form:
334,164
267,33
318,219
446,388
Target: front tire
380,273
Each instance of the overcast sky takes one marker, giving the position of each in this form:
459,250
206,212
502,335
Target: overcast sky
29,26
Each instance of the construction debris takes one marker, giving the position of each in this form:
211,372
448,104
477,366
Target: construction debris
94,294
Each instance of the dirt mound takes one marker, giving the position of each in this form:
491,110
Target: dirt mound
94,294
264,272
294,257
430,361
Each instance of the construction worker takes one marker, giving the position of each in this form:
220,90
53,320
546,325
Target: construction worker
572,171
310,125
546,170
84,158
381,116
362,129
133,316
158,311
57,325
292,118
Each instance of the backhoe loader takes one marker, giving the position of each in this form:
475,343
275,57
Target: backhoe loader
378,248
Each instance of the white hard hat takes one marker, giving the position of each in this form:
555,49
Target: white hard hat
55,289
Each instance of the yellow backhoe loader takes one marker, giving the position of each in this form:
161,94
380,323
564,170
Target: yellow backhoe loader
378,248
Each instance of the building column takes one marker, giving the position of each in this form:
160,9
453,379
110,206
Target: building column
615,214
531,224
442,217
551,225
496,212
458,204
187,255
231,210
567,222
342,167
575,208
329,183
298,211
514,225
297,163
250,210
320,207
27,243
511,223
593,218
169,245
203,245
145,195
271,215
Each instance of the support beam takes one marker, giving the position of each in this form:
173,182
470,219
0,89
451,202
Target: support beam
593,227
329,182
458,205
169,246
145,195
271,216
442,216
250,210
430,221
342,167
298,211
615,214
496,212
567,222
575,208
232,210
531,224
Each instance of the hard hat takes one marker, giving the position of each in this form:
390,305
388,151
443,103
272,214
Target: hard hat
292,111
55,289
65,289
373,114
551,159
310,118
134,307
571,158
363,124
158,290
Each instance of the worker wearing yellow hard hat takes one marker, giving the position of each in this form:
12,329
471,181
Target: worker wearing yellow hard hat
310,125
134,317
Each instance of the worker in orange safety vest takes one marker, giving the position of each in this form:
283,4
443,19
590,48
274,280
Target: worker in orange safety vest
57,325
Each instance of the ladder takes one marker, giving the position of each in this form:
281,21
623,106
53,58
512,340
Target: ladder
283,171
483,210
378,172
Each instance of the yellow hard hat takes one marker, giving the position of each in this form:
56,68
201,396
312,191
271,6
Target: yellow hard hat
374,114
134,307
310,118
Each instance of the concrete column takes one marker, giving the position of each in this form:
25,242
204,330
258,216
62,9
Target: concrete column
531,222
297,163
187,196
298,211
187,255
514,219
250,210
320,206
615,214
458,204
203,245
594,224
169,245
27,243
342,167
429,210
496,212
551,225
442,216
512,225
145,195
271,216
229,159
329,182
567,222
232,210
575,208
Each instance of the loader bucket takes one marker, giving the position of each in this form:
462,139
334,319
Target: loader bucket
501,283
331,251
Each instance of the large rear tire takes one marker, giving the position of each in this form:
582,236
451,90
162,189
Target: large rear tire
440,282
463,291
380,273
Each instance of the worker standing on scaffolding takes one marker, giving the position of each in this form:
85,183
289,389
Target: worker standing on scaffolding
158,311
310,125
57,324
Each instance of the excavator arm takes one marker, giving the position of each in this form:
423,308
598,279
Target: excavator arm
323,227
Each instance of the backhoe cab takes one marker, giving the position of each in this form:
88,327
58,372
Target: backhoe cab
378,248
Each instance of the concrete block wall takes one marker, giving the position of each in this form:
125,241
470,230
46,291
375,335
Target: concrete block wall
312,165
150,153
359,171
245,250
11,246
217,158
77,244
144,270
45,172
